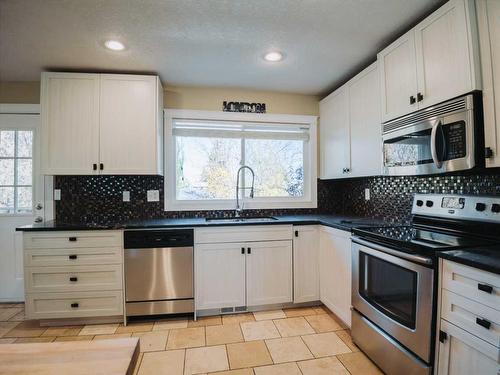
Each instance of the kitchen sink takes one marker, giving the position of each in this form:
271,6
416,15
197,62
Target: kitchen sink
255,219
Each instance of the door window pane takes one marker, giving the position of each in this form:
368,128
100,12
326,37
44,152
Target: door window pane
6,199
24,199
24,143
16,171
389,288
7,172
24,172
7,141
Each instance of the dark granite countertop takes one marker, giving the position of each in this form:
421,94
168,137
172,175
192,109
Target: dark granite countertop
486,258
334,221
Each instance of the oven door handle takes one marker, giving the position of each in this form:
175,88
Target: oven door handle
437,161
399,254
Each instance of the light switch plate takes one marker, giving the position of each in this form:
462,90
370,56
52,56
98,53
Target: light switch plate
57,194
367,194
153,195
126,196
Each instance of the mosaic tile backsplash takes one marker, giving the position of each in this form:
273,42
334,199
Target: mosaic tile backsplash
98,199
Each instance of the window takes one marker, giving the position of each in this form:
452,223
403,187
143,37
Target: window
16,171
207,149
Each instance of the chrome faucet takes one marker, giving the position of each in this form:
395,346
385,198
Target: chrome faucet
239,208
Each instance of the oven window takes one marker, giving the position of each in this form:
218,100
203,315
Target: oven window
389,288
410,149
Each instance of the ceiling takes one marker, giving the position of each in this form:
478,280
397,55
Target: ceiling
204,42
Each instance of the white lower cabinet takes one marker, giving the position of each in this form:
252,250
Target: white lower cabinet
245,271
73,274
335,271
220,275
305,263
462,353
269,272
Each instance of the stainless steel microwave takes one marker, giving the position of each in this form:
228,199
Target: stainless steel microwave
447,137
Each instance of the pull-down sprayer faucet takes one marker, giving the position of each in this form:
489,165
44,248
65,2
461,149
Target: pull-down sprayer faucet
239,209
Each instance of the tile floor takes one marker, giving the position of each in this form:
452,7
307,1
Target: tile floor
298,341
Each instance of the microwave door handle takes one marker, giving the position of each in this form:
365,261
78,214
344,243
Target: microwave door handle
435,157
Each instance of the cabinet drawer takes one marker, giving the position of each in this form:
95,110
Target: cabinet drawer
72,257
478,285
242,233
67,239
85,304
77,278
469,315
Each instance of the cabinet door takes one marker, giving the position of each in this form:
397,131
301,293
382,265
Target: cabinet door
220,275
70,123
443,50
398,77
129,128
269,272
462,353
335,272
364,114
305,264
334,134
488,14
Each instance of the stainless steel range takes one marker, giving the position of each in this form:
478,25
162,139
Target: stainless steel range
394,277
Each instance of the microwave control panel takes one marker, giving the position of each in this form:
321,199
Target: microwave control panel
454,134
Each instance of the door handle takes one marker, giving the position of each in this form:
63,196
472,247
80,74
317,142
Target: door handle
38,219
420,97
434,153
243,250
94,167
412,100
249,250
101,166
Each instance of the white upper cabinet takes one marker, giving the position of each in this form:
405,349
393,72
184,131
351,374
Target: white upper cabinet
350,128
398,77
334,134
130,124
435,61
101,124
488,14
70,123
364,114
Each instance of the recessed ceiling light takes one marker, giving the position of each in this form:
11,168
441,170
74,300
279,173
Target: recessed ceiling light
273,56
114,45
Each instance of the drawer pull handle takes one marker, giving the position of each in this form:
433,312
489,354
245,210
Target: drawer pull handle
72,239
483,323
74,305
73,256
73,279
485,288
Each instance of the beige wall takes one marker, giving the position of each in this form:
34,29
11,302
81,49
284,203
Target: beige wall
211,98
203,98
20,92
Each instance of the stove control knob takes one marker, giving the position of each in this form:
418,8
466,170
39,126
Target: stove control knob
420,203
495,207
429,203
480,207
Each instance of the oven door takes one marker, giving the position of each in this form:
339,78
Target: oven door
394,293
438,145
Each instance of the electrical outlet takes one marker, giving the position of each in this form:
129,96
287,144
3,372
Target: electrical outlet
126,196
153,195
57,194
367,194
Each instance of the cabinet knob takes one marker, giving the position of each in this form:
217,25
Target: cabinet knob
73,256
72,239
94,167
243,250
412,100
73,279
296,233
249,250
74,305
101,166
420,97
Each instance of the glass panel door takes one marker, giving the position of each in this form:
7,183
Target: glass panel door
389,288
408,149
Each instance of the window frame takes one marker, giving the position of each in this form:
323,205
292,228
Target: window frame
308,200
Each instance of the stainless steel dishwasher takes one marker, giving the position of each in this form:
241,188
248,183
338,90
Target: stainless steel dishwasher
158,271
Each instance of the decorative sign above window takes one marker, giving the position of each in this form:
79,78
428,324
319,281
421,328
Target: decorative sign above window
244,107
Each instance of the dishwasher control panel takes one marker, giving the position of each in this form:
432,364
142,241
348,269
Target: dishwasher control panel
145,239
